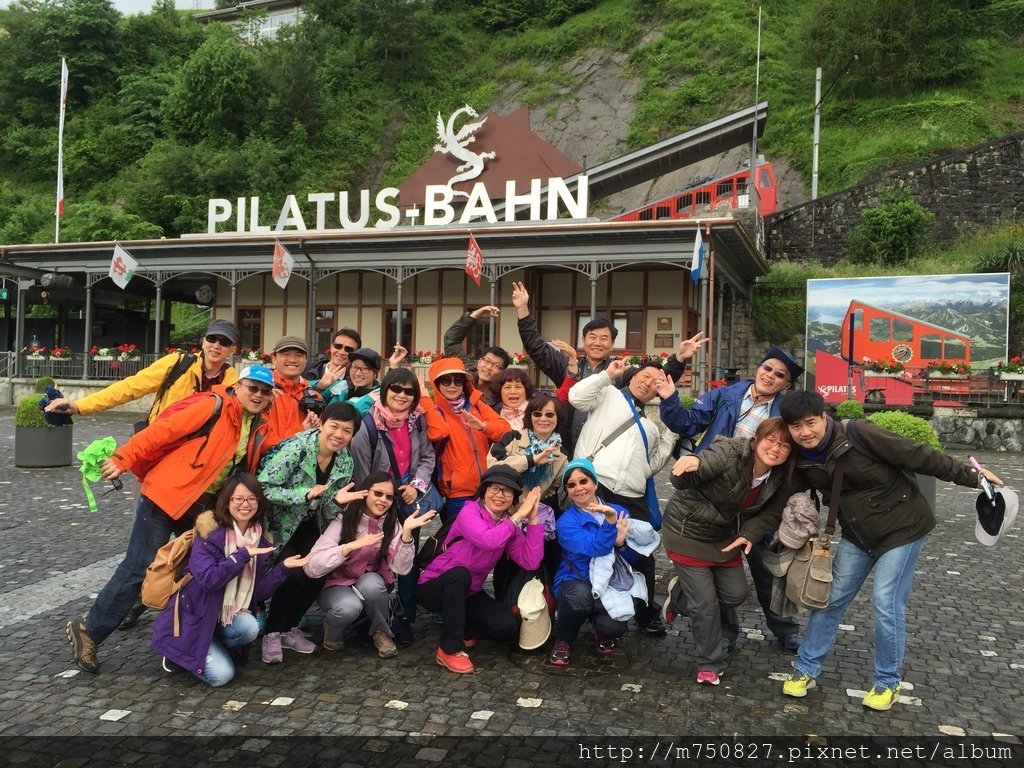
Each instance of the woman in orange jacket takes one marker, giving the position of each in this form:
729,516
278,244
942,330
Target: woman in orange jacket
462,427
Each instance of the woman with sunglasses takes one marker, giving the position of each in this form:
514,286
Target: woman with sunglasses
208,626
306,478
462,427
393,439
360,553
488,526
720,511
587,529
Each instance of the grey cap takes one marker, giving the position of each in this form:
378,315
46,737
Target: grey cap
223,328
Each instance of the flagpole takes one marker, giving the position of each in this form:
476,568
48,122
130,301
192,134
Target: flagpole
60,149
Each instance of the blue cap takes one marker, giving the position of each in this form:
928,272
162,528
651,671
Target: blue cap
258,373
584,465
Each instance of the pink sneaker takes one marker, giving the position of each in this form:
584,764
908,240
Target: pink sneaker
707,677
272,648
296,641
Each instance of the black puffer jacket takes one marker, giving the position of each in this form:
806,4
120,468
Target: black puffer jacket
879,509
706,513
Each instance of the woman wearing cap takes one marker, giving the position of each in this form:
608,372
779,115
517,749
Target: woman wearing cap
453,583
462,428
360,553
306,478
363,368
587,529
720,510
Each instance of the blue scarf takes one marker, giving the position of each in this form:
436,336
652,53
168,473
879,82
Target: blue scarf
539,474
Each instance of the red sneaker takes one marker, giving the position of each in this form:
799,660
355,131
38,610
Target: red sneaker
457,662
605,646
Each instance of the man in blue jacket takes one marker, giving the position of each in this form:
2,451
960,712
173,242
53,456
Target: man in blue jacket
735,411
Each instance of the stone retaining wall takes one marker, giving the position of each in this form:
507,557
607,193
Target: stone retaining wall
975,428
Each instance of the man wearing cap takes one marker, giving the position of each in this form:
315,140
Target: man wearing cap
736,410
296,404
182,461
885,521
173,377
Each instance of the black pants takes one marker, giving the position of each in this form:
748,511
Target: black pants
298,592
644,564
763,579
466,615
576,604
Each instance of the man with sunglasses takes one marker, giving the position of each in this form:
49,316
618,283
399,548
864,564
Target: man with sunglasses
328,369
490,364
736,410
182,460
173,377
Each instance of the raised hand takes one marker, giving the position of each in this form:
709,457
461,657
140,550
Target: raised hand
528,507
622,527
520,299
412,522
685,464
346,494
615,368
485,312
474,422
368,540
689,347
664,385
397,356
610,513
564,346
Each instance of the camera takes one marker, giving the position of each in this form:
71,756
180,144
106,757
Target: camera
311,404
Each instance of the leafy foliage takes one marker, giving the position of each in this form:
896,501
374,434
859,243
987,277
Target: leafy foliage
849,409
892,232
911,427
28,413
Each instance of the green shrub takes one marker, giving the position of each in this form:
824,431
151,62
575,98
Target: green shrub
911,427
849,409
43,382
893,232
29,414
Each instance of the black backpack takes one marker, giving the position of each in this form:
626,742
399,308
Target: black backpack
434,545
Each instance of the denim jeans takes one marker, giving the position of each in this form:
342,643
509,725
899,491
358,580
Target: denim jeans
220,667
150,531
894,575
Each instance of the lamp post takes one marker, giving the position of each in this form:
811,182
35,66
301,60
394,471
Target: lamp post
819,99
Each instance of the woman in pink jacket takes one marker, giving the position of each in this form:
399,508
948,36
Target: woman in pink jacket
363,549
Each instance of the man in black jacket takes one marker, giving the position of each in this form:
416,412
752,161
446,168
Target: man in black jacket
885,520
485,369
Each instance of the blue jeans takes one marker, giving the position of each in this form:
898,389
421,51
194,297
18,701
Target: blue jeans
220,667
894,575
150,531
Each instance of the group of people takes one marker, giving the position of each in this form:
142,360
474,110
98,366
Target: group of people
312,483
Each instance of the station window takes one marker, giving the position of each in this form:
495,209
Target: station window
704,197
664,212
684,203
250,328
324,331
391,334
646,214
629,323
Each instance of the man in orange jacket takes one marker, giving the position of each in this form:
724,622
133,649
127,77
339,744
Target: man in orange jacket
297,405
182,460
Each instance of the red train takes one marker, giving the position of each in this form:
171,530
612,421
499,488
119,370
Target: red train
884,335
725,192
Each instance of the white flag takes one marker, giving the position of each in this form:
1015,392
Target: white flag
60,137
697,264
122,267
283,265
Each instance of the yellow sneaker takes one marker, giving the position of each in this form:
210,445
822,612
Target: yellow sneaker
797,685
881,699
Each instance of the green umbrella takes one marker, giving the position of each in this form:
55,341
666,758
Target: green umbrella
92,458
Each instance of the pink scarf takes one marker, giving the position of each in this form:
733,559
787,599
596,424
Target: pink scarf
385,418
514,416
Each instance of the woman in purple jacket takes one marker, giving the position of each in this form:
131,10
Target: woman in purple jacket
453,583
228,567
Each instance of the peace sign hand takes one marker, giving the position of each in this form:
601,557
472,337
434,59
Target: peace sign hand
689,347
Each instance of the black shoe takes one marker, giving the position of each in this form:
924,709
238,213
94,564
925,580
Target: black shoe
653,626
83,646
791,642
402,630
133,616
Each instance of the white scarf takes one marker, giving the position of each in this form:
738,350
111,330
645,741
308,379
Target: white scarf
239,591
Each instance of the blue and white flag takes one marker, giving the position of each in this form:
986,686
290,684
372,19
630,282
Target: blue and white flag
697,265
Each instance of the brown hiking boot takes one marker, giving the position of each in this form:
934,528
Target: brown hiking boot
386,647
83,646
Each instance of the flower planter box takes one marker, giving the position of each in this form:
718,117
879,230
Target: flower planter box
949,375
35,357
43,446
1011,376
102,358
881,375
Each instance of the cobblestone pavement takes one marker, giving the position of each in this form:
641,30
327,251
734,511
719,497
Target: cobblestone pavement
963,672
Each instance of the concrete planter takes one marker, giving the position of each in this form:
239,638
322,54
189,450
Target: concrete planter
43,446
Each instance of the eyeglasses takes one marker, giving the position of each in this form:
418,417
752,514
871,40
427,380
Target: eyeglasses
382,494
581,482
398,389
224,341
488,362
774,442
245,501
544,414
358,369
778,373
254,388
500,490
447,381
346,347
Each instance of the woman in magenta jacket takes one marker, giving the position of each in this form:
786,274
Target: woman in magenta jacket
453,583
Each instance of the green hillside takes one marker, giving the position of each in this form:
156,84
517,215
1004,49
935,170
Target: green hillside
164,113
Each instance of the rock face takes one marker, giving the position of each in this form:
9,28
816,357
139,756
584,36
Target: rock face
588,120
969,428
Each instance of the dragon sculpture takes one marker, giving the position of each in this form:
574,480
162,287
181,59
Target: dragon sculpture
455,144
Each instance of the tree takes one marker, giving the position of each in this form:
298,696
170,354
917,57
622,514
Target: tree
892,232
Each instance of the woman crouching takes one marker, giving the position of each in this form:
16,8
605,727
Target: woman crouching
487,527
363,549
208,626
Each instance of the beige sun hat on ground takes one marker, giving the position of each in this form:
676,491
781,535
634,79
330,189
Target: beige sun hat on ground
535,628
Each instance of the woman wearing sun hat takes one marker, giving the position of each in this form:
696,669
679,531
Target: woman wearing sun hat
488,526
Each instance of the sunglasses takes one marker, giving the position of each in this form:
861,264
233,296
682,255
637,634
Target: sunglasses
346,347
778,373
254,388
398,389
544,414
382,494
581,482
447,381
224,341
